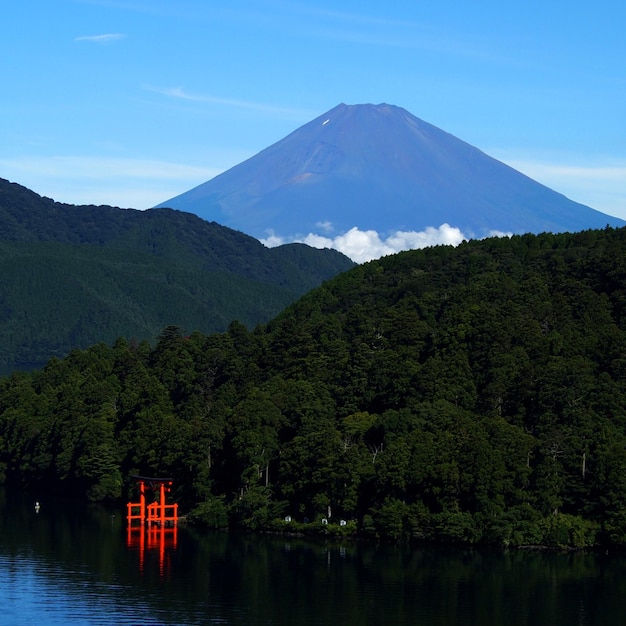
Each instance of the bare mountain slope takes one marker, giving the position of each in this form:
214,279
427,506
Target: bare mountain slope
379,167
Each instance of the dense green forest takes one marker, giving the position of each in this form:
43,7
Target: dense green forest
474,394
71,276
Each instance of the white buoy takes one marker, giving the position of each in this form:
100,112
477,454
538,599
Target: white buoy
37,507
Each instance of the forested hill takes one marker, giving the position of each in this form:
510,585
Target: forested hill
71,276
474,394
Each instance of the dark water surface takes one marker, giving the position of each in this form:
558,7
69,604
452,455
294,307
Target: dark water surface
72,564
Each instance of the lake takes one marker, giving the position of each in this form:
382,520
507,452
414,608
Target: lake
76,564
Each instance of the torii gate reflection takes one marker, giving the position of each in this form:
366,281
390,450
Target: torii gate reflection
152,526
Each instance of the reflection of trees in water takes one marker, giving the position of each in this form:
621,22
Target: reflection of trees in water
246,579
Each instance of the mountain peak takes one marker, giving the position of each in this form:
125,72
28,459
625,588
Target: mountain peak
378,167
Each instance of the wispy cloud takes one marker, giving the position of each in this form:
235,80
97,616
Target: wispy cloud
101,39
343,16
182,94
365,245
600,173
125,182
595,181
96,167
392,30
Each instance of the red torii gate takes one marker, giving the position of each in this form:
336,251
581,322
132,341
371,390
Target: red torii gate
156,513
158,521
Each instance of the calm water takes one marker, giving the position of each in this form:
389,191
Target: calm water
70,564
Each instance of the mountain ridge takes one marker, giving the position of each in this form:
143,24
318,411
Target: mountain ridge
72,276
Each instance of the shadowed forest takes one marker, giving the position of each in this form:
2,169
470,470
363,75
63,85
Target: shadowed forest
72,276
462,395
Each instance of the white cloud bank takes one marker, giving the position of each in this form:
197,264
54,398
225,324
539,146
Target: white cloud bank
366,245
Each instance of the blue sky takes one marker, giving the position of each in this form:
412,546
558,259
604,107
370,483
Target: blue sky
130,102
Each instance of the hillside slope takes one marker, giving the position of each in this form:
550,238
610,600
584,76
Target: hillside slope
72,276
